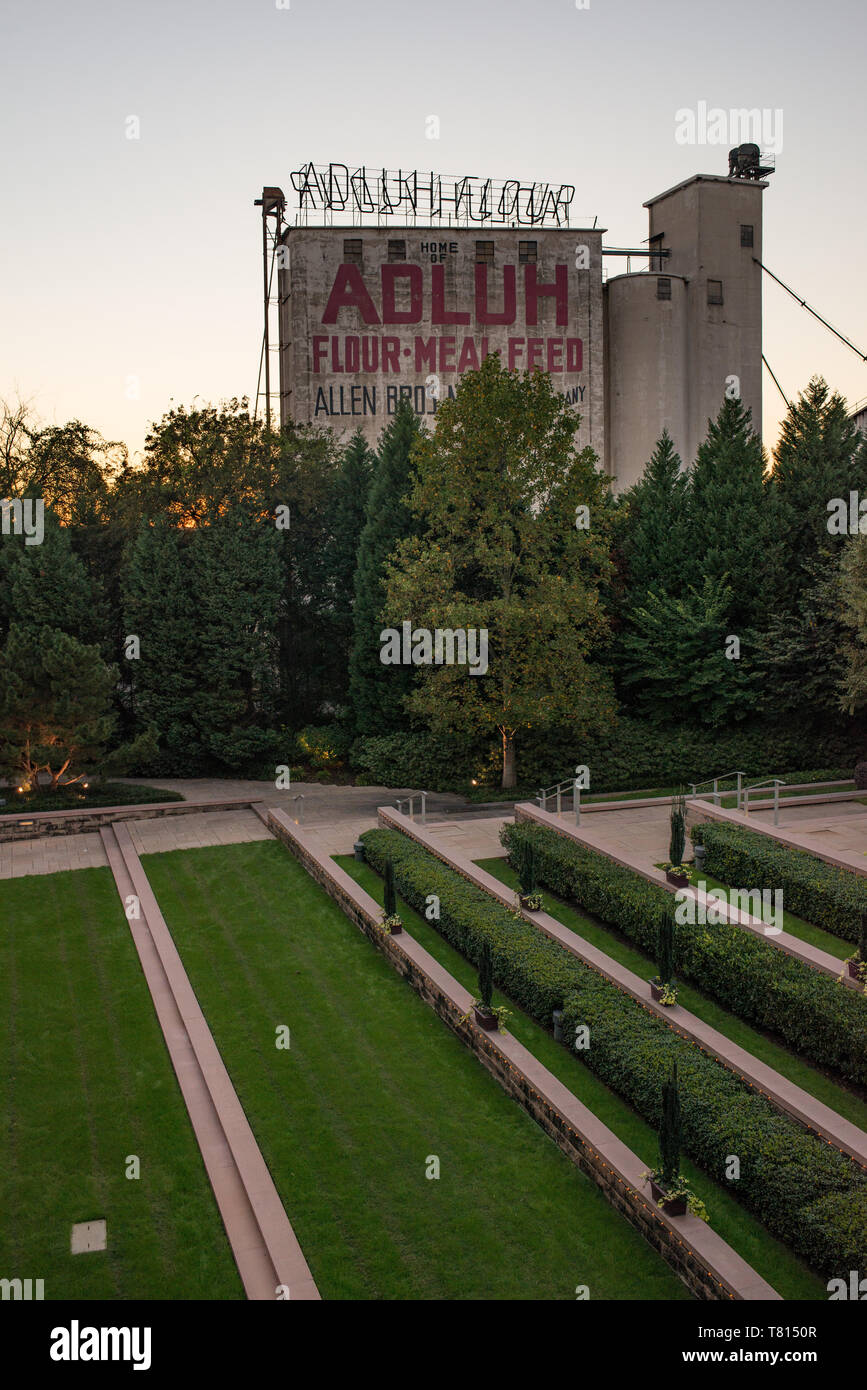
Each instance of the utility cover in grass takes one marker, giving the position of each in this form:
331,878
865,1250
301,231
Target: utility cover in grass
87,1235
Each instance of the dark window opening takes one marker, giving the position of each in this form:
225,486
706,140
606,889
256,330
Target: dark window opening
484,253
714,292
746,234
527,252
663,287
397,250
352,251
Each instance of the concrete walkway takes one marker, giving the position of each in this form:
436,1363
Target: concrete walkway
266,1251
836,833
53,854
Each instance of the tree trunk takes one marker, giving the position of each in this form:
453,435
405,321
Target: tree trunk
508,758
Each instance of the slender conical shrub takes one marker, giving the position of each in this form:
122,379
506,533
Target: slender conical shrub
678,829
527,870
665,949
389,897
486,975
669,1133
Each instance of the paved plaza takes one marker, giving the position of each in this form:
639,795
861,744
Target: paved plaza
335,816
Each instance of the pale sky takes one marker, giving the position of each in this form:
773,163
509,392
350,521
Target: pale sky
141,258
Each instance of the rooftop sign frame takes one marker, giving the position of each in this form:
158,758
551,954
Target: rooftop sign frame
344,196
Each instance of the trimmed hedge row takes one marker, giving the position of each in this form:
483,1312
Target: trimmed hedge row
629,755
820,893
813,1014
802,1189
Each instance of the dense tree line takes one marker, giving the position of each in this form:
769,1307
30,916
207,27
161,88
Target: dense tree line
219,606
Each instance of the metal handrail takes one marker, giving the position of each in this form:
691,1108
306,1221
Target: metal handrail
570,783
715,781
777,783
422,796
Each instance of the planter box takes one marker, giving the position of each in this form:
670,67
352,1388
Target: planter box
524,899
679,880
853,966
671,1206
395,931
485,1020
656,993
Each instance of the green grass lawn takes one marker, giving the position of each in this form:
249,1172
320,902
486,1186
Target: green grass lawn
86,1081
831,1092
770,1257
372,1087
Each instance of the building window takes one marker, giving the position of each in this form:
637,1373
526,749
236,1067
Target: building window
663,287
397,250
526,252
746,234
714,292
484,253
655,258
352,251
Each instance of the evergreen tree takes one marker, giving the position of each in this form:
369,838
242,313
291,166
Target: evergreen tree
377,693
678,829
527,869
655,526
674,659
665,949
802,654
160,608
820,456
389,896
853,592
670,1131
236,578
311,666
486,975
203,605
349,514
55,706
728,525
46,585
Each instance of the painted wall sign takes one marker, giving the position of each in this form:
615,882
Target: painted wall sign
369,319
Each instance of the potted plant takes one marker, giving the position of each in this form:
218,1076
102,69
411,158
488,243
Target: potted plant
529,897
662,986
856,964
674,871
391,922
486,1015
668,1187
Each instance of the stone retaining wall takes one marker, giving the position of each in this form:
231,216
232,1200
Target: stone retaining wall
91,818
